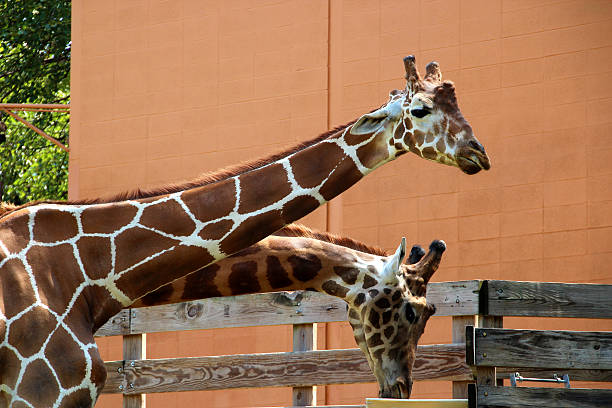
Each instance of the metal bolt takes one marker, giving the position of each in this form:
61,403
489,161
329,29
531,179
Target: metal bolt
484,334
484,354
486,394
134,314
131,385
121,387
119,370
132,364
298,312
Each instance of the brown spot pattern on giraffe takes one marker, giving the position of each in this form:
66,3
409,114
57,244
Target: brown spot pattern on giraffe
175,263
36,320
251,230
51,225
344,176
58,290
243,278
370,155
95,253
353,314
69,366
17,290
368,281
389,330
10,364
386,316
201,284
14,233
353,140
332,288
128,254
106,219
382,303
348,274
176,221
206,206
293,209
305,267
374,318
78,398
161,294
38,386
399,132
359,299
430,153
216,230
275,273
407,123
262,188
307,172
441,145
375,340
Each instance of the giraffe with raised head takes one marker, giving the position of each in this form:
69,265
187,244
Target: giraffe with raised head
386,301
67,267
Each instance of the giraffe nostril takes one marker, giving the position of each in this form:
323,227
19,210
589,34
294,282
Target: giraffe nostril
476,146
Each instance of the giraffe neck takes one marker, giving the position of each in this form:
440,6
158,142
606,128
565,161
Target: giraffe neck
186,230
278,263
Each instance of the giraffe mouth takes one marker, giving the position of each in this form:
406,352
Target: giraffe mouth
472,164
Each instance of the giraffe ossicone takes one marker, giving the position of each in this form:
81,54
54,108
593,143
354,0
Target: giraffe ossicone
387,308
67,267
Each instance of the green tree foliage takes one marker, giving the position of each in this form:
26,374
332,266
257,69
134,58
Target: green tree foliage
34,68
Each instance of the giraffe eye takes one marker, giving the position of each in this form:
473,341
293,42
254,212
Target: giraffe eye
409,312
420,113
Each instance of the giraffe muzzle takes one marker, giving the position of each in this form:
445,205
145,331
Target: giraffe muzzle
402,388
473,158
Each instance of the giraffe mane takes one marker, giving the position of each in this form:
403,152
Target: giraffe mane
6,208
205,179
299,230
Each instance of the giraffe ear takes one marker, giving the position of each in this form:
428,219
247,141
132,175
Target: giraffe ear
370,122
392,266
374,121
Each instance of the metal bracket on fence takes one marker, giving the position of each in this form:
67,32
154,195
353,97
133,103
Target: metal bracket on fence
514,377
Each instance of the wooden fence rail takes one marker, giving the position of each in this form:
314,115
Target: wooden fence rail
471,303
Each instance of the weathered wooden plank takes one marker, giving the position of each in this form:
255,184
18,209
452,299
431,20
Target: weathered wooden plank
118,325
499,397
238,311
542,349
433,362
415,403
508,298
115,377
264,309
459,298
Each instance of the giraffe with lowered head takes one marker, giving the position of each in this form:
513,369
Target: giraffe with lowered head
386,299
67,267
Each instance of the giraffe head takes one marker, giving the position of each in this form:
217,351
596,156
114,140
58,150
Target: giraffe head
389,315
425,119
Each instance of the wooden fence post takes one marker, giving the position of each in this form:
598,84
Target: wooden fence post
459,323
134,348
304,339
488,375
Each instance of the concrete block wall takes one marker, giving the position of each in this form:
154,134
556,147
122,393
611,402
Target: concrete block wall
165,90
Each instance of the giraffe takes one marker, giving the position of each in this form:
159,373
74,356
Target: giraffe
67,267
387,308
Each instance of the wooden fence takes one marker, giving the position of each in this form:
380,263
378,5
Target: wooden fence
476,303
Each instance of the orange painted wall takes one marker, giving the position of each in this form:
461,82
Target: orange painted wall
164,90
